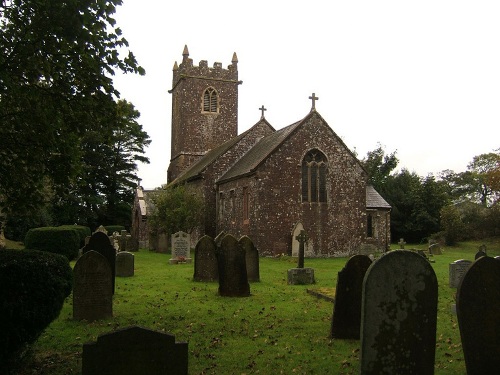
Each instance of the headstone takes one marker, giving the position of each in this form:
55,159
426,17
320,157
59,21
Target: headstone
457,270
401,243
135,351
346,320
92,293
480,254
101,229
251,258
205,260
301,275
181,247
233,280
435,249
100,242
399,315
295,244
124,264
478,307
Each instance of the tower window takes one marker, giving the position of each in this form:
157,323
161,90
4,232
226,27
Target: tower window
210,100
314,169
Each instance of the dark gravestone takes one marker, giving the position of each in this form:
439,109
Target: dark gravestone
233,280
135,351
478,308
480,254
251,257
92,297
100,242
399,314
346,321
205,260
124,264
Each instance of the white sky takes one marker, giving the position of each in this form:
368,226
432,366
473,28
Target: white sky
421,78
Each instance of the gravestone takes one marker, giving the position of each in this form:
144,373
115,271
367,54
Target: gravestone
92,296
124,264
181,247
435,249
251,258
346,320
478,307
231,260
205,260
401,243
479,254
301,275
135,351
100,242
457,270
399,315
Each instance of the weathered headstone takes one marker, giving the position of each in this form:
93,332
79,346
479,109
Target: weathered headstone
231,260
301,275
205,260
251,257
399,315
478,307
92,296
457,270
435,249
135,351
401,243
181,248
124,264
100,242
346,320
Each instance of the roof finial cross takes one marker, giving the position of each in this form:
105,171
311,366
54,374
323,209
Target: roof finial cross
314,98
262,110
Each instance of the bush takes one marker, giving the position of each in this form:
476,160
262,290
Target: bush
33,287
114,228
82,230
60,240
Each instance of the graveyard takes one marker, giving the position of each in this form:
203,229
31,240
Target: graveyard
277,328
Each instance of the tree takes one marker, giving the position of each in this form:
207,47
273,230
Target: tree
57,58
176,208
379,167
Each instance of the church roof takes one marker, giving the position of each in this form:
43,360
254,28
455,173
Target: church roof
258,153
374,199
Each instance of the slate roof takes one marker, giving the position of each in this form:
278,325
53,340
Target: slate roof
251,160
374,199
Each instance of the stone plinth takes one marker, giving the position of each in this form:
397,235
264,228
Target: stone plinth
301,276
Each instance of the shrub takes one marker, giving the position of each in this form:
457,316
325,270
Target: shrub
114,228
82,230
60,240
33,287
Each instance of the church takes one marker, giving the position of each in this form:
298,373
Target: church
265,183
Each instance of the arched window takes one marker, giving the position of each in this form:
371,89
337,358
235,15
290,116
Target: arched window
314,168
210,100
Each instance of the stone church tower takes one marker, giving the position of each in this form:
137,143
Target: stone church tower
204,110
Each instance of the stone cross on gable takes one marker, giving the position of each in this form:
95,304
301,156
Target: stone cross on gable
262,110
302,238
313,98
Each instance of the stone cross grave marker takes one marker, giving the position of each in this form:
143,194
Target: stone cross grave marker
92,296
231,260
124,264
301,275
457,270
399,315
302,238
181,243
100,242
346,320
205,260
135,351
251,258
478,307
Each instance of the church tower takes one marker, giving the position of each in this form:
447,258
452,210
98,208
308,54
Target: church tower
204,110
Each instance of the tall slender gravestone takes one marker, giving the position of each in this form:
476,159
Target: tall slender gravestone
399,315
251,257
233,279
478,308
92,297
346,320
100,242
205,260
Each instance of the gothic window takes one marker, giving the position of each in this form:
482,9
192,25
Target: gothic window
314,169
210,100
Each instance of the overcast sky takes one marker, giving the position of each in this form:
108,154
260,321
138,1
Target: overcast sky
421,78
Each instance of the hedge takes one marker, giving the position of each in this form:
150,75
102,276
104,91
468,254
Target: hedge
114,228
83,232
58,240
33,287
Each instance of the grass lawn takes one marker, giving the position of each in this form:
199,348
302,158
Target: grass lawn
279,329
